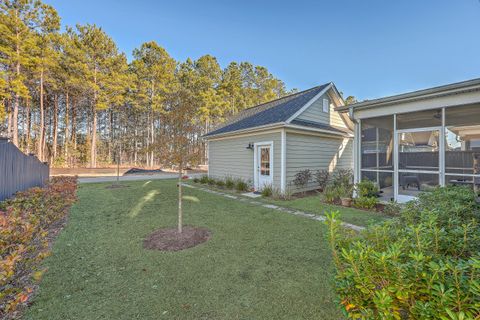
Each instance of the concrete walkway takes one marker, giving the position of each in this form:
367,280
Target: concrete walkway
135,177
273,207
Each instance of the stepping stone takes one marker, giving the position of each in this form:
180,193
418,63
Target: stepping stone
270,206
251,195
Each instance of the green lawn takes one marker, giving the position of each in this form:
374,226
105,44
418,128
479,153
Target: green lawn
259,263
314,204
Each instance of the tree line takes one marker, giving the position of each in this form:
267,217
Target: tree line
72,98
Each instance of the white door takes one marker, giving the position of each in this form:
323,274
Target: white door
264,166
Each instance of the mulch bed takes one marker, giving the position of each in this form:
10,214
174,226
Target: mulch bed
169,239
116,186
142,171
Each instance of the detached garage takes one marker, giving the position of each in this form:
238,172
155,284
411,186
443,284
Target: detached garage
268,144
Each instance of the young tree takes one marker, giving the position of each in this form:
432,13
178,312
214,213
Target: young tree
182,128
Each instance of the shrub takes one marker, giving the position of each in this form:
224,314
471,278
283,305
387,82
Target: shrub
204,179
418,266
220,183
331,194
322,177
267,190
342,177
211,181
287,194
241,185
392,208
196,180
366,188
229,183
365,202
302,178
25,224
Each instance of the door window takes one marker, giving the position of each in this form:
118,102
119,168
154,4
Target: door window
265,161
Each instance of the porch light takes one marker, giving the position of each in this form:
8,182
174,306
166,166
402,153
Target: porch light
250,146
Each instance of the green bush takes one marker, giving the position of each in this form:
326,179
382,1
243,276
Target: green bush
392,208
229,183
302,178
342,177
196,180
211,181
220,183
322,177
418,266
267,191
204,179
287,194
365,202
331,194
241,185
366,188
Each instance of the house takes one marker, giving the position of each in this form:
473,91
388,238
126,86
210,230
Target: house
270,143
412,142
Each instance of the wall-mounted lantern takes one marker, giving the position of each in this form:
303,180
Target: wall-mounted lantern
250,146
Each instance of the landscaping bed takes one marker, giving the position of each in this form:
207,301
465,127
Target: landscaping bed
29,223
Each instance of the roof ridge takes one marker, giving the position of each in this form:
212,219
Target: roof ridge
284,97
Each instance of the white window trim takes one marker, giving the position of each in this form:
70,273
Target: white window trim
326,102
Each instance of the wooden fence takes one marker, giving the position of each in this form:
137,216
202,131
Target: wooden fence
18,171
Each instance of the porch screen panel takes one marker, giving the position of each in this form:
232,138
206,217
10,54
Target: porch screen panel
377,143
462,145
377,153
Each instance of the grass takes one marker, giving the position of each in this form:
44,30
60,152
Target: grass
314,204
259,264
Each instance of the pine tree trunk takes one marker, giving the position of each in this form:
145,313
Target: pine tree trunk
41,126
74,129
29,126
55,127
152,136
65,138
93,151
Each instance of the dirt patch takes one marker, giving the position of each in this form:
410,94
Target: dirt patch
169,239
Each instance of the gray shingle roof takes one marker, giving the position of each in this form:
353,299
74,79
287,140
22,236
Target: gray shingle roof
275,111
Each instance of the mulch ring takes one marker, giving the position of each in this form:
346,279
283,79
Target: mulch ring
169,239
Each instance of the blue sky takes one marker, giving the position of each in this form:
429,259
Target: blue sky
369,48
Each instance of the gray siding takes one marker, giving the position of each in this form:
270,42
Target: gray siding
315,113
229,157
316,153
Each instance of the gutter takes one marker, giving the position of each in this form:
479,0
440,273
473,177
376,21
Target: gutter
451,89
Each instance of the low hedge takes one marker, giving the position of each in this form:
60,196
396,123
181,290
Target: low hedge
27,222
423,265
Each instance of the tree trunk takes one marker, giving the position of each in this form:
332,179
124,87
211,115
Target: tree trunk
41,126
65,138
93,151
55,128
29,126
180,212
152,139
74,131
